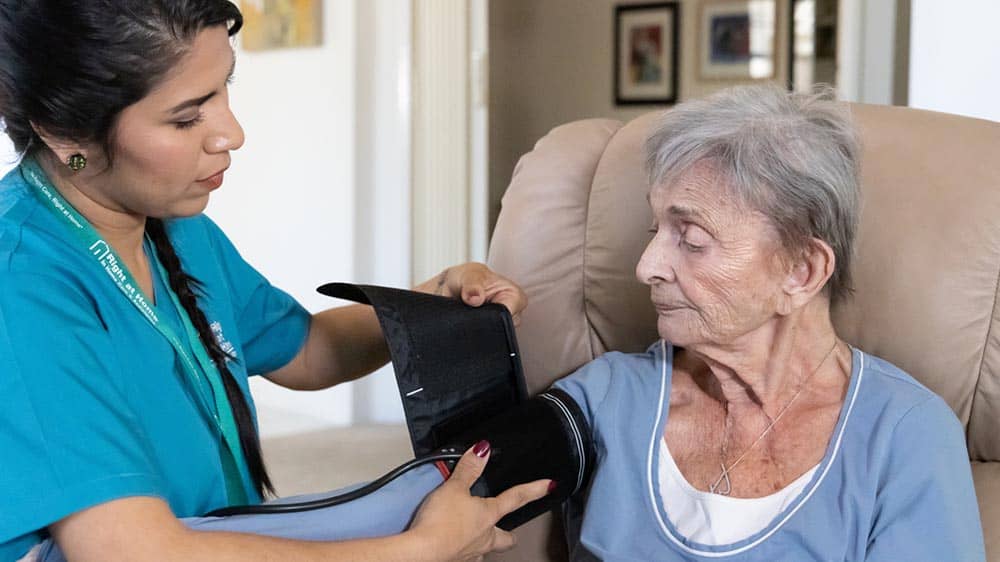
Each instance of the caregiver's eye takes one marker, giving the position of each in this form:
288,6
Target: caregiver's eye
187,124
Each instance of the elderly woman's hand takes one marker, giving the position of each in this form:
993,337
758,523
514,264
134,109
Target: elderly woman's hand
477,284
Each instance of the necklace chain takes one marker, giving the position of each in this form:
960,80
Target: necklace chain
722,485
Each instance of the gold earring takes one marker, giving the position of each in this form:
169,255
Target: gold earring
77,162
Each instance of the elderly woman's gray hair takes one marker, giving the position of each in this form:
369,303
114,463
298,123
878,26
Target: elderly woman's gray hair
792,157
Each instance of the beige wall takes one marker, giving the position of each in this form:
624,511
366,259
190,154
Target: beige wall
551,62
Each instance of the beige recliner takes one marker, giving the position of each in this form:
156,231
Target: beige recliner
575,219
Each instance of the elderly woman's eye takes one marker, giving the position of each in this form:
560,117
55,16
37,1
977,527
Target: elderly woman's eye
691,247
693,238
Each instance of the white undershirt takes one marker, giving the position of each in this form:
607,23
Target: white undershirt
713,519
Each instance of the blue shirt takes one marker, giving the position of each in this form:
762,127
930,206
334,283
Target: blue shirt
96,405
895,482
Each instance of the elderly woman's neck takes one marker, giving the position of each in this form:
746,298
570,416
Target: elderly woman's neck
765,368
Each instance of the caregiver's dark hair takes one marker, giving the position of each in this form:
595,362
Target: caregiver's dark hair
69,68
185,287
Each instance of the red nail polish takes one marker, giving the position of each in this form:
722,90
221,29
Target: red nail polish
552,486
482,449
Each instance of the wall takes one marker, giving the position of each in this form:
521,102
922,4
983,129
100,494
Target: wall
954,59
8,158
288,200
382,199
551,62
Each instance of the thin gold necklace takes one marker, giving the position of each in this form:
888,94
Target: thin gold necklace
722,485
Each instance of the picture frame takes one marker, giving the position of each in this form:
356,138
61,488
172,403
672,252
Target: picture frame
811,50
269,24
737,39
647,44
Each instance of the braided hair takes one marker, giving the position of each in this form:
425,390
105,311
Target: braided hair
186,286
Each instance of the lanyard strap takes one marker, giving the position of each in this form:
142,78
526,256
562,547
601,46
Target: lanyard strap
201,366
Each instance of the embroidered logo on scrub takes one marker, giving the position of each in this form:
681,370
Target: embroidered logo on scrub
224,344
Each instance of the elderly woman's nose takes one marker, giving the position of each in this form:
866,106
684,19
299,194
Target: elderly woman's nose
654,264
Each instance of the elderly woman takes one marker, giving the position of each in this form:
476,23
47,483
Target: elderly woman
751,431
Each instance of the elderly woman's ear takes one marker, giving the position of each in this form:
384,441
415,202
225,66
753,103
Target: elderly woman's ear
806,276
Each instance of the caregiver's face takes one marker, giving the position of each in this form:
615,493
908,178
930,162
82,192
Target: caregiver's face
172,146
713,265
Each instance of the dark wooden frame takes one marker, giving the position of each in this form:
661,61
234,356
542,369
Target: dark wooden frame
790,81
675,12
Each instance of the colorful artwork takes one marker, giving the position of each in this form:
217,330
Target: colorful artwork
646,48
736,39
646,44
278,24
730,39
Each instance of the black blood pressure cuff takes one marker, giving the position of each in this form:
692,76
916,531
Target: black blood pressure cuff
460,380
545,437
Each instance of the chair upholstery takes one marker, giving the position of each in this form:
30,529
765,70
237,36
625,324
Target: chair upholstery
574,222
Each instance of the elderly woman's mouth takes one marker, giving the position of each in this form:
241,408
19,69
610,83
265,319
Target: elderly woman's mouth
663,308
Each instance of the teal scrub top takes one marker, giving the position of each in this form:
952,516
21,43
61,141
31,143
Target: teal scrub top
96,405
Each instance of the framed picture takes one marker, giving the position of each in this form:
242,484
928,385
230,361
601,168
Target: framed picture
646,45
736,39
280,24
811,52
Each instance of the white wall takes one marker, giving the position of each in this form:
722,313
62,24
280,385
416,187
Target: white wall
954,57
382,201
288,200
8,158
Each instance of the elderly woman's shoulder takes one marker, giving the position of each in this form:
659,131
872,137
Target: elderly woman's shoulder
616,378
652,363
617,372
898,394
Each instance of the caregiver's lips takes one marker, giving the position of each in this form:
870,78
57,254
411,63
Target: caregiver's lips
215,180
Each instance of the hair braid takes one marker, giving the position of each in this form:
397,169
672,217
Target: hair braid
184,286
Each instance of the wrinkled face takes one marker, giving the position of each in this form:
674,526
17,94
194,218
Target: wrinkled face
171,147
713,266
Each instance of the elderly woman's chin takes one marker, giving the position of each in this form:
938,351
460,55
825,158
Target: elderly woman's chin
672,326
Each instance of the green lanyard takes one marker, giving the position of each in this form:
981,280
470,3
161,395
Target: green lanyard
197,368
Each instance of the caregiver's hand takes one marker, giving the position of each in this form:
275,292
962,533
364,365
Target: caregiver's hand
459,526
476,284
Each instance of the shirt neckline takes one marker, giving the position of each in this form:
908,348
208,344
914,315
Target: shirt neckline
702,496
663,353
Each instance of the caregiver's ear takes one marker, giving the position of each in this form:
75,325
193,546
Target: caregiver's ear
63,148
